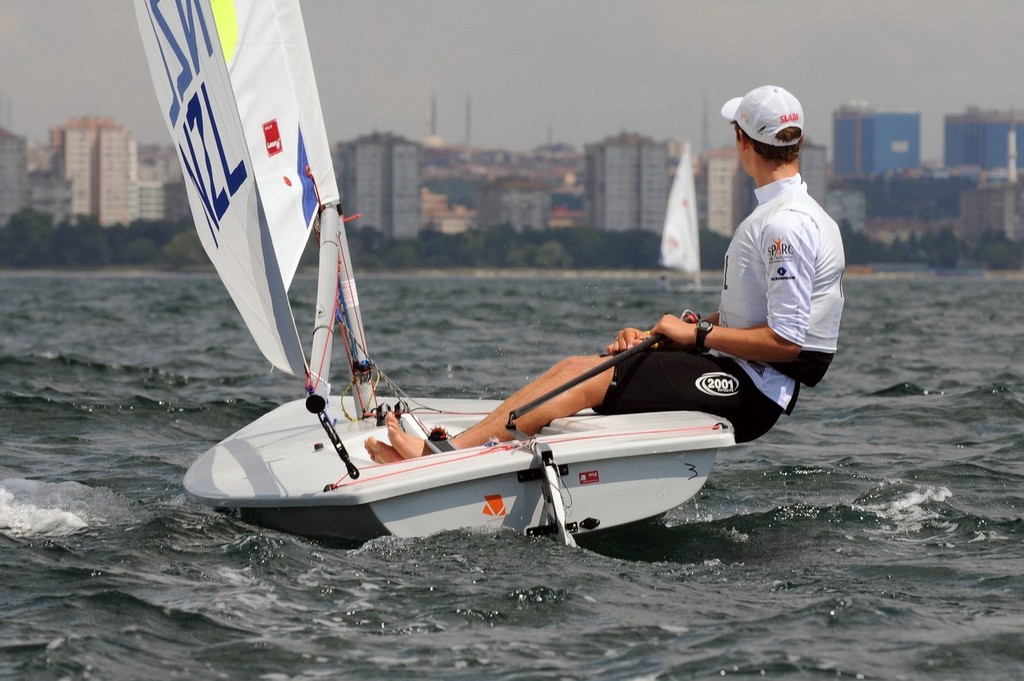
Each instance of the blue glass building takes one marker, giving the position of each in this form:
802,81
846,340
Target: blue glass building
979,138
869,141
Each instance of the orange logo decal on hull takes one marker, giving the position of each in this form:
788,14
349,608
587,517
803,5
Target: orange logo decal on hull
495,505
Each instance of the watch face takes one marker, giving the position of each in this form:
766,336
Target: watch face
704,325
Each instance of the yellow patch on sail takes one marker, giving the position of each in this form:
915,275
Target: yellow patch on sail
226,18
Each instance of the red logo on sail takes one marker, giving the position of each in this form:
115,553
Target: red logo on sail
589,477
272,136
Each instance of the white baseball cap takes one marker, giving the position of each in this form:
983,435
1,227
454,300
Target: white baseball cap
764,111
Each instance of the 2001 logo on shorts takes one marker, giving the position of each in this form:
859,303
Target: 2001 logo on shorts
718,384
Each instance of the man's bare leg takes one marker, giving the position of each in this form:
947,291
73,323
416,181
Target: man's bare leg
590,393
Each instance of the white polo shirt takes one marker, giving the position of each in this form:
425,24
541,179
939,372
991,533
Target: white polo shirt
784,268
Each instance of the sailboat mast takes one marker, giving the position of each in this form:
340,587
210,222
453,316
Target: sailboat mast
326,299
337,300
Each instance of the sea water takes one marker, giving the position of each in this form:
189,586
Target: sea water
876,533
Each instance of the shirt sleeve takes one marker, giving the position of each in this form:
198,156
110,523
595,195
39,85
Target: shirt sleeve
789,246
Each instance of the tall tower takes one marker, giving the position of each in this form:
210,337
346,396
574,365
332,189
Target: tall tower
469,119
431,139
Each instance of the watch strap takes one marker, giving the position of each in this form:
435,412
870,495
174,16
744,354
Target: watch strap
703,329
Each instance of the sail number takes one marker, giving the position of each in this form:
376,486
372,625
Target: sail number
181,31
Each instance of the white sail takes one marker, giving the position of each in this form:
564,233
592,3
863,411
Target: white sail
680,245
196,101
265,47
271,71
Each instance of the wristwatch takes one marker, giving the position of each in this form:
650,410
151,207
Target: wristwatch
703,329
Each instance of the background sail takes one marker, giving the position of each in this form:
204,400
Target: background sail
265,47
194,94
680,244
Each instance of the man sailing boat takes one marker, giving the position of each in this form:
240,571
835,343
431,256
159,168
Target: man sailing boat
776,327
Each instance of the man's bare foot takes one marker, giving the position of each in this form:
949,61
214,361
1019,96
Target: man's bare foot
381,452
407,445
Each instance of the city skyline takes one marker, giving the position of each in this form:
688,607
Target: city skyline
577,73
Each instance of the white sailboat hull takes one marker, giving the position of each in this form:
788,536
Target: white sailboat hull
614,470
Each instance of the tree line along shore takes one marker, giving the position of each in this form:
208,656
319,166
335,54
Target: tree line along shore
31,240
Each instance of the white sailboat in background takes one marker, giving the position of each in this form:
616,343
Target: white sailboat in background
680,241
235,85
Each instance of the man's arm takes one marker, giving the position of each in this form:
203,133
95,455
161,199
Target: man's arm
757,344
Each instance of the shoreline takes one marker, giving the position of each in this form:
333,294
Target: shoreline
709,278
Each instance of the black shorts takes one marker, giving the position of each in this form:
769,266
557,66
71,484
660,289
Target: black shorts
684,381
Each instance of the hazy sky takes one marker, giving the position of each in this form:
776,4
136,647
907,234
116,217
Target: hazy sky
577,70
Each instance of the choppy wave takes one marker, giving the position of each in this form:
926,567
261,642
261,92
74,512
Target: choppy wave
30,508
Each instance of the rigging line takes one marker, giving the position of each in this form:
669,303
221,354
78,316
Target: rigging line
348,387
356,396
345,323
353,339
310,382
349,321
349,278
344,319
342,316
402,395
357,370
352,344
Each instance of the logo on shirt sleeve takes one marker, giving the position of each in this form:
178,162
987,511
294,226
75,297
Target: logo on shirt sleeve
781,274
779,250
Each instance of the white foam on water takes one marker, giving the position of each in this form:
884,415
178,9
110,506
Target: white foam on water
30,508
907,510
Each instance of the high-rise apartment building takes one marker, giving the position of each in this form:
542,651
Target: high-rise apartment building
993,207
98,156
723,189
627,183
521,204
50,194
814,170
13,176
149,200
979,138
871,141
380,178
